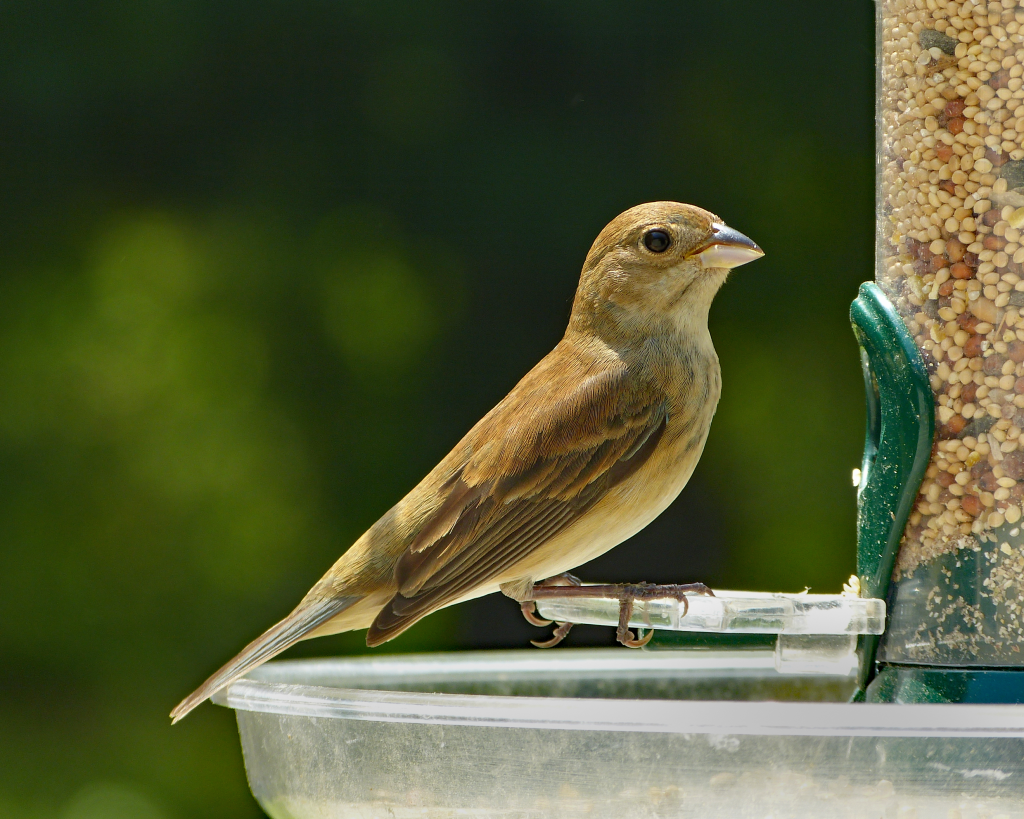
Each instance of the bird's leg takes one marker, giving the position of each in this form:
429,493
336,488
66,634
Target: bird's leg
558,581
627,595
530,609
622,633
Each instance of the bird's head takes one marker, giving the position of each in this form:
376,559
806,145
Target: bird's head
662,261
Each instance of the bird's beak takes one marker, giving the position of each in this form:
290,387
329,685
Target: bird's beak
727,248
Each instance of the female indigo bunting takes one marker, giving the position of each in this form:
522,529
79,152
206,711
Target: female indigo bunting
592,445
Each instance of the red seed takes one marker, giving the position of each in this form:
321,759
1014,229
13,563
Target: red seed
1015,351
997,158
988,482
944,479
990,217
946,288
948,186
972,349
994,364
956,424
971,504
954,108
955,250
944,153
999,79
993,242
968,321
1018,386
955,125
968,393
960,271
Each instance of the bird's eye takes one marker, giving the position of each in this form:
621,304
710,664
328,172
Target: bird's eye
657,241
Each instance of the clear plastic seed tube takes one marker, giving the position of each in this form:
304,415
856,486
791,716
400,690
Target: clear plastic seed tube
950,255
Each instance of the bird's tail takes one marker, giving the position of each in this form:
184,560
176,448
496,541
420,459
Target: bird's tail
272,642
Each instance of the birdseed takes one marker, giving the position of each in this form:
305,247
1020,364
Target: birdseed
951,252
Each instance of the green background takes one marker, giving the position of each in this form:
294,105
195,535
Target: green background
263,264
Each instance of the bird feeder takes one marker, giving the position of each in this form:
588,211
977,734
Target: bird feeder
898,696
950,261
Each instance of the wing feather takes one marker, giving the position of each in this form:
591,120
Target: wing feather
533,475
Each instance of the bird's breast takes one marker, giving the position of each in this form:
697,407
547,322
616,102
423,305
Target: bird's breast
629,506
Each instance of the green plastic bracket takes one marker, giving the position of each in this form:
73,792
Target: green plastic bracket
897,446
898,443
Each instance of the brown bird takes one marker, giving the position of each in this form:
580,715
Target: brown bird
592,445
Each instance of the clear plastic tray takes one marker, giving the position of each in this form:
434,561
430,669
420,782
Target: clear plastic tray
610,734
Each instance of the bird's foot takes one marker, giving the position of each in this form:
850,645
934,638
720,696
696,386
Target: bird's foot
529,608
622,633
629,594
626,594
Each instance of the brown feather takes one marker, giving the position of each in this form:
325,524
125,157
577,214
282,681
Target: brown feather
272,642
510,499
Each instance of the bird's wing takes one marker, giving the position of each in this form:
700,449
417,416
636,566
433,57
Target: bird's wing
539,461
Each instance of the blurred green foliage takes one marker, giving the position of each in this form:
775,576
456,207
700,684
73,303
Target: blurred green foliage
263,265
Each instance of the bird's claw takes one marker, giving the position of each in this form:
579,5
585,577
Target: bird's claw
529,608
628,641
557,636
530,613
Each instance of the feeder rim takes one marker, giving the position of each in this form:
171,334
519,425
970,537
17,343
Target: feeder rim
268,691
